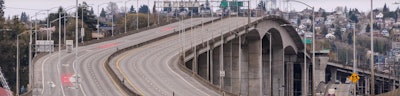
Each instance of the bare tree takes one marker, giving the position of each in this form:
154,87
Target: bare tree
112,8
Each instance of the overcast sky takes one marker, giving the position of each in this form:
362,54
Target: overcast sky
15,7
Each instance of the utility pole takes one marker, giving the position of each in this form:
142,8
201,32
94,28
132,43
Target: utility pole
372,52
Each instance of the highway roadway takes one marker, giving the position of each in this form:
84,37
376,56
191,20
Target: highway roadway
54,79
148,70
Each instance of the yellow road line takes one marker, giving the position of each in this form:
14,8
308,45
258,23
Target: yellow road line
124,75
115,84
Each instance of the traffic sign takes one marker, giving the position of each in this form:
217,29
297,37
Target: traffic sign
224,4
354,78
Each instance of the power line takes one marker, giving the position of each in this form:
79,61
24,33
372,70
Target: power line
25,8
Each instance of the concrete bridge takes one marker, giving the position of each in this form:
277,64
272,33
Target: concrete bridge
253,57
257,59
265,58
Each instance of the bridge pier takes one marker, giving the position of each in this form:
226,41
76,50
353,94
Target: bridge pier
244,69
236,66
304,78
321,62
202,65
278,72
215,66
289,74
254,73
333,74
227,66
289,79
266,69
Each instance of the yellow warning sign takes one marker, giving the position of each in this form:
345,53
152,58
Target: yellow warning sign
354,78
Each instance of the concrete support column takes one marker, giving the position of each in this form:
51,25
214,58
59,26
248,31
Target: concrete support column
244,69
366,86
320,68
304,79
208,65
333,74
202,65
289,79
235,66
255,67
195,60
393,84
277,69
215,64
211,64
266,72
228,66
221,66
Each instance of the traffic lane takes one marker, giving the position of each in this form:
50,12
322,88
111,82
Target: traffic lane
38,80
48,82
151,87
146,64
127,36
96,78
108,45
113,44
70,86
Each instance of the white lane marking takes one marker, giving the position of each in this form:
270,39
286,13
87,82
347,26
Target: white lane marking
65,65
169,67
45,60
59,72
73,67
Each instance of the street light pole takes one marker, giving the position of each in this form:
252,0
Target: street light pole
17,80
17,69
354,56
148,13
98,23
137,15
313,46
76,44
125,15
372,52
313,53
82,29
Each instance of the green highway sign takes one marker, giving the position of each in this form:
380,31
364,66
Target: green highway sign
307,41
224,4
231,3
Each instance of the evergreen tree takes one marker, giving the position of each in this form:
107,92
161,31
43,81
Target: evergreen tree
132,9
385,8
2,8
144,9
102,13
88,17
24,17
91,11
338,33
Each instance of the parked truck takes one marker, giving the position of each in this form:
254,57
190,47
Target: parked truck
69,45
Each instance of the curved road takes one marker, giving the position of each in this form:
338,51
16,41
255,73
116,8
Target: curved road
53,79
147,68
